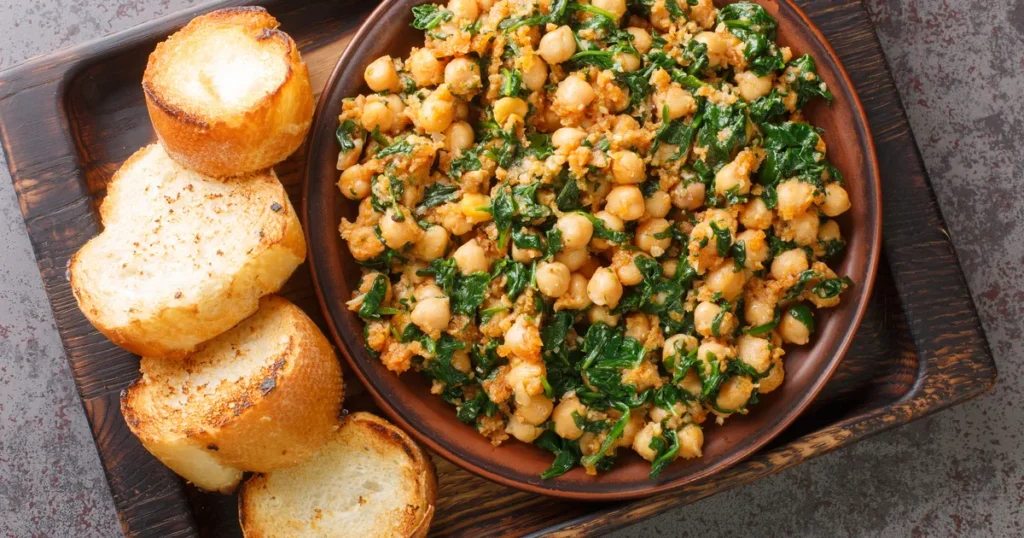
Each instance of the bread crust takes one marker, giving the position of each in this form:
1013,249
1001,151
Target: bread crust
175,329
272,418
220,142
381,434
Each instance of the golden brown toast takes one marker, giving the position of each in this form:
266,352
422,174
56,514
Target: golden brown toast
183,257
263,396
370,480
228,93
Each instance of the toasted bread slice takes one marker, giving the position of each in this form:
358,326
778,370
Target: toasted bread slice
263,396
183,257
369,480
228,93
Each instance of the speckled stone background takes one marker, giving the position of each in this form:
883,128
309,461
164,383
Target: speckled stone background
959,65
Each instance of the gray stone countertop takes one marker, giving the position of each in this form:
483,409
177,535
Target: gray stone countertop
959,67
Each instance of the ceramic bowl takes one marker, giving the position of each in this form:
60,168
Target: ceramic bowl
407,399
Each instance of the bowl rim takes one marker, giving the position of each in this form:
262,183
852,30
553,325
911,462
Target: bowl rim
423,434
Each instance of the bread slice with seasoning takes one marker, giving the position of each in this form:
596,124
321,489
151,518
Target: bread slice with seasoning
263,396
370,480
228,93
183,257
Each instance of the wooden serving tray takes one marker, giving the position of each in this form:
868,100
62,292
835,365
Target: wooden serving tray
67,122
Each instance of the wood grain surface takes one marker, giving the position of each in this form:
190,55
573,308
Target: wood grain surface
68,120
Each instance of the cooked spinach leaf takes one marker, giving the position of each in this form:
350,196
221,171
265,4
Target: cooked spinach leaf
429,16
437,194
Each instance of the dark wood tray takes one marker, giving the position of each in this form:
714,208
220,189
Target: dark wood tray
68,120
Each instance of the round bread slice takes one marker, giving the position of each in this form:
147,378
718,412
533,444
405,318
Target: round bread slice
370,480
263,396
183,257
228,93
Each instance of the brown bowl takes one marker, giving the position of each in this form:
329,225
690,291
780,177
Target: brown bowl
408,401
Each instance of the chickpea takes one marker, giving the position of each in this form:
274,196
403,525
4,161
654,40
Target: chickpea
794,197
399,229
711,350
523,339
464,9
458,136
754,351
669,268
793,331
652,237
484,5
522,431
576,298
557,46
733,177
628,167
602,314
717,48
633,427
734,393
425,68
629,274
727,281
432,244
376,115
756,248
751,86
381,75
460,361
658,204
804,228
604,288
758,313
625,202
471,258
756,215
576,231
562,416
524,377
462,76
678,344
837,200
691,439
574,93
628,62
507,107
525,255
641,39
688,196
573,259
349,158
436,111
427,290
704,320
615,7
612,223
568,137
355,182
678,101
789,264
829,231
553,279
535,73
774,378
363,244
536,410
432,314
642,441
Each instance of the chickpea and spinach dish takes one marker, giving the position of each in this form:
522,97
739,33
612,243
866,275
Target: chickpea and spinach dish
592,225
